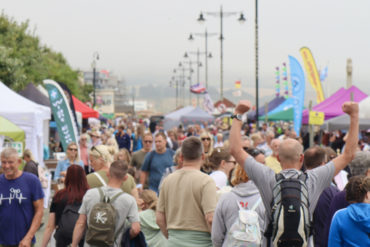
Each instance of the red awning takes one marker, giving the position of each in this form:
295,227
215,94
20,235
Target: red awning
84,109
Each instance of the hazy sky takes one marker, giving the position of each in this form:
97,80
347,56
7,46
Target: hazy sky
143,41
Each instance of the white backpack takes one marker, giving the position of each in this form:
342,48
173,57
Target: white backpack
245,231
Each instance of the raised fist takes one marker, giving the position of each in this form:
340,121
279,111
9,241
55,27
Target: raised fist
242,107
351,108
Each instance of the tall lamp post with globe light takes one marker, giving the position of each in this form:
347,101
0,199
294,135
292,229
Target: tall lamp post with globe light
221,14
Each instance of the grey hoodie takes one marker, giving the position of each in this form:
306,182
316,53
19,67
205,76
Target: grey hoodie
227,210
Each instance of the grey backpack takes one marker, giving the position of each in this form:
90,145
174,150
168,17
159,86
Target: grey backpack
102,222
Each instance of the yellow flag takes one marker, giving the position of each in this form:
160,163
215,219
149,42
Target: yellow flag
312,74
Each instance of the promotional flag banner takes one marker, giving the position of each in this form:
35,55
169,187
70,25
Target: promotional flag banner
62,113
208,103
68,95
312,73
237,84
198,89
298,91
324,74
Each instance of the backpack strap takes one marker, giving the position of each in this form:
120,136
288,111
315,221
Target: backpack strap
101,193
256,204
115,196
151,155
276,197
100,178
123,224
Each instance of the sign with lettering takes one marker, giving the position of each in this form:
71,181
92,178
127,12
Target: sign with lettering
62,113
316,118
16,145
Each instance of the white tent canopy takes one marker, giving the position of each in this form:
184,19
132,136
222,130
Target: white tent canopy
29,116
173,119
342,122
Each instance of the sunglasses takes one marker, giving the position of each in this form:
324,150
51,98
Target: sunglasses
205,139
95,136
94,148
148,141
232,161
253,151
73,149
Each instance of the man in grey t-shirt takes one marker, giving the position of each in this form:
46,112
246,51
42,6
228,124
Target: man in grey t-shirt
124,204
290,156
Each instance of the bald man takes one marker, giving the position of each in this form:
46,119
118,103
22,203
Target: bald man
272,161
290,156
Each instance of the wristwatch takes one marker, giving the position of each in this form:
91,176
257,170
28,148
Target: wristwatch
237,116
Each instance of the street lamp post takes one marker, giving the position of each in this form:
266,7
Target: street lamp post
183,78
95,58
205,35
256,46
198,63
221,15
175,80
190,69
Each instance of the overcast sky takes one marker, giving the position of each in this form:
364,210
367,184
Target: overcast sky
143,41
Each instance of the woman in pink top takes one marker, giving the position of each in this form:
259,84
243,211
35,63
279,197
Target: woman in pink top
84,152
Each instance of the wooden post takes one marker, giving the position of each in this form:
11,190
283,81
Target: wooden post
310,126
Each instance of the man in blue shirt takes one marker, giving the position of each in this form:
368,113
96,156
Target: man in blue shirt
156,162
123,139
21,202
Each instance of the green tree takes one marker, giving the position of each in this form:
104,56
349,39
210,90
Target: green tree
23,59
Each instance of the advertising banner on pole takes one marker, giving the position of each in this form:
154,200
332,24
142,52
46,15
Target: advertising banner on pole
298,91
62,113
312,73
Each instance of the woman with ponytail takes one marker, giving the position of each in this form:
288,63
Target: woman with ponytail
149,227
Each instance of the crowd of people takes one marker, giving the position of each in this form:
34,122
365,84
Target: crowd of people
130,184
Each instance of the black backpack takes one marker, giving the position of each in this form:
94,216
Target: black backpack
291,223
67,221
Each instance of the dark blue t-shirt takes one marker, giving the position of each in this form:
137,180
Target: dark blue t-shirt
156,164
321,216
16,206
123,141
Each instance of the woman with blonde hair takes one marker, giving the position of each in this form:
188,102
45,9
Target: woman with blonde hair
245,195
153,235
100,160
111,142
207,142
123,154
71,158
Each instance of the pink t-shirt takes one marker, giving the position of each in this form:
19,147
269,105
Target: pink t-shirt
84,155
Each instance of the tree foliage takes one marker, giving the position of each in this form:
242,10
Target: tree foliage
23,59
